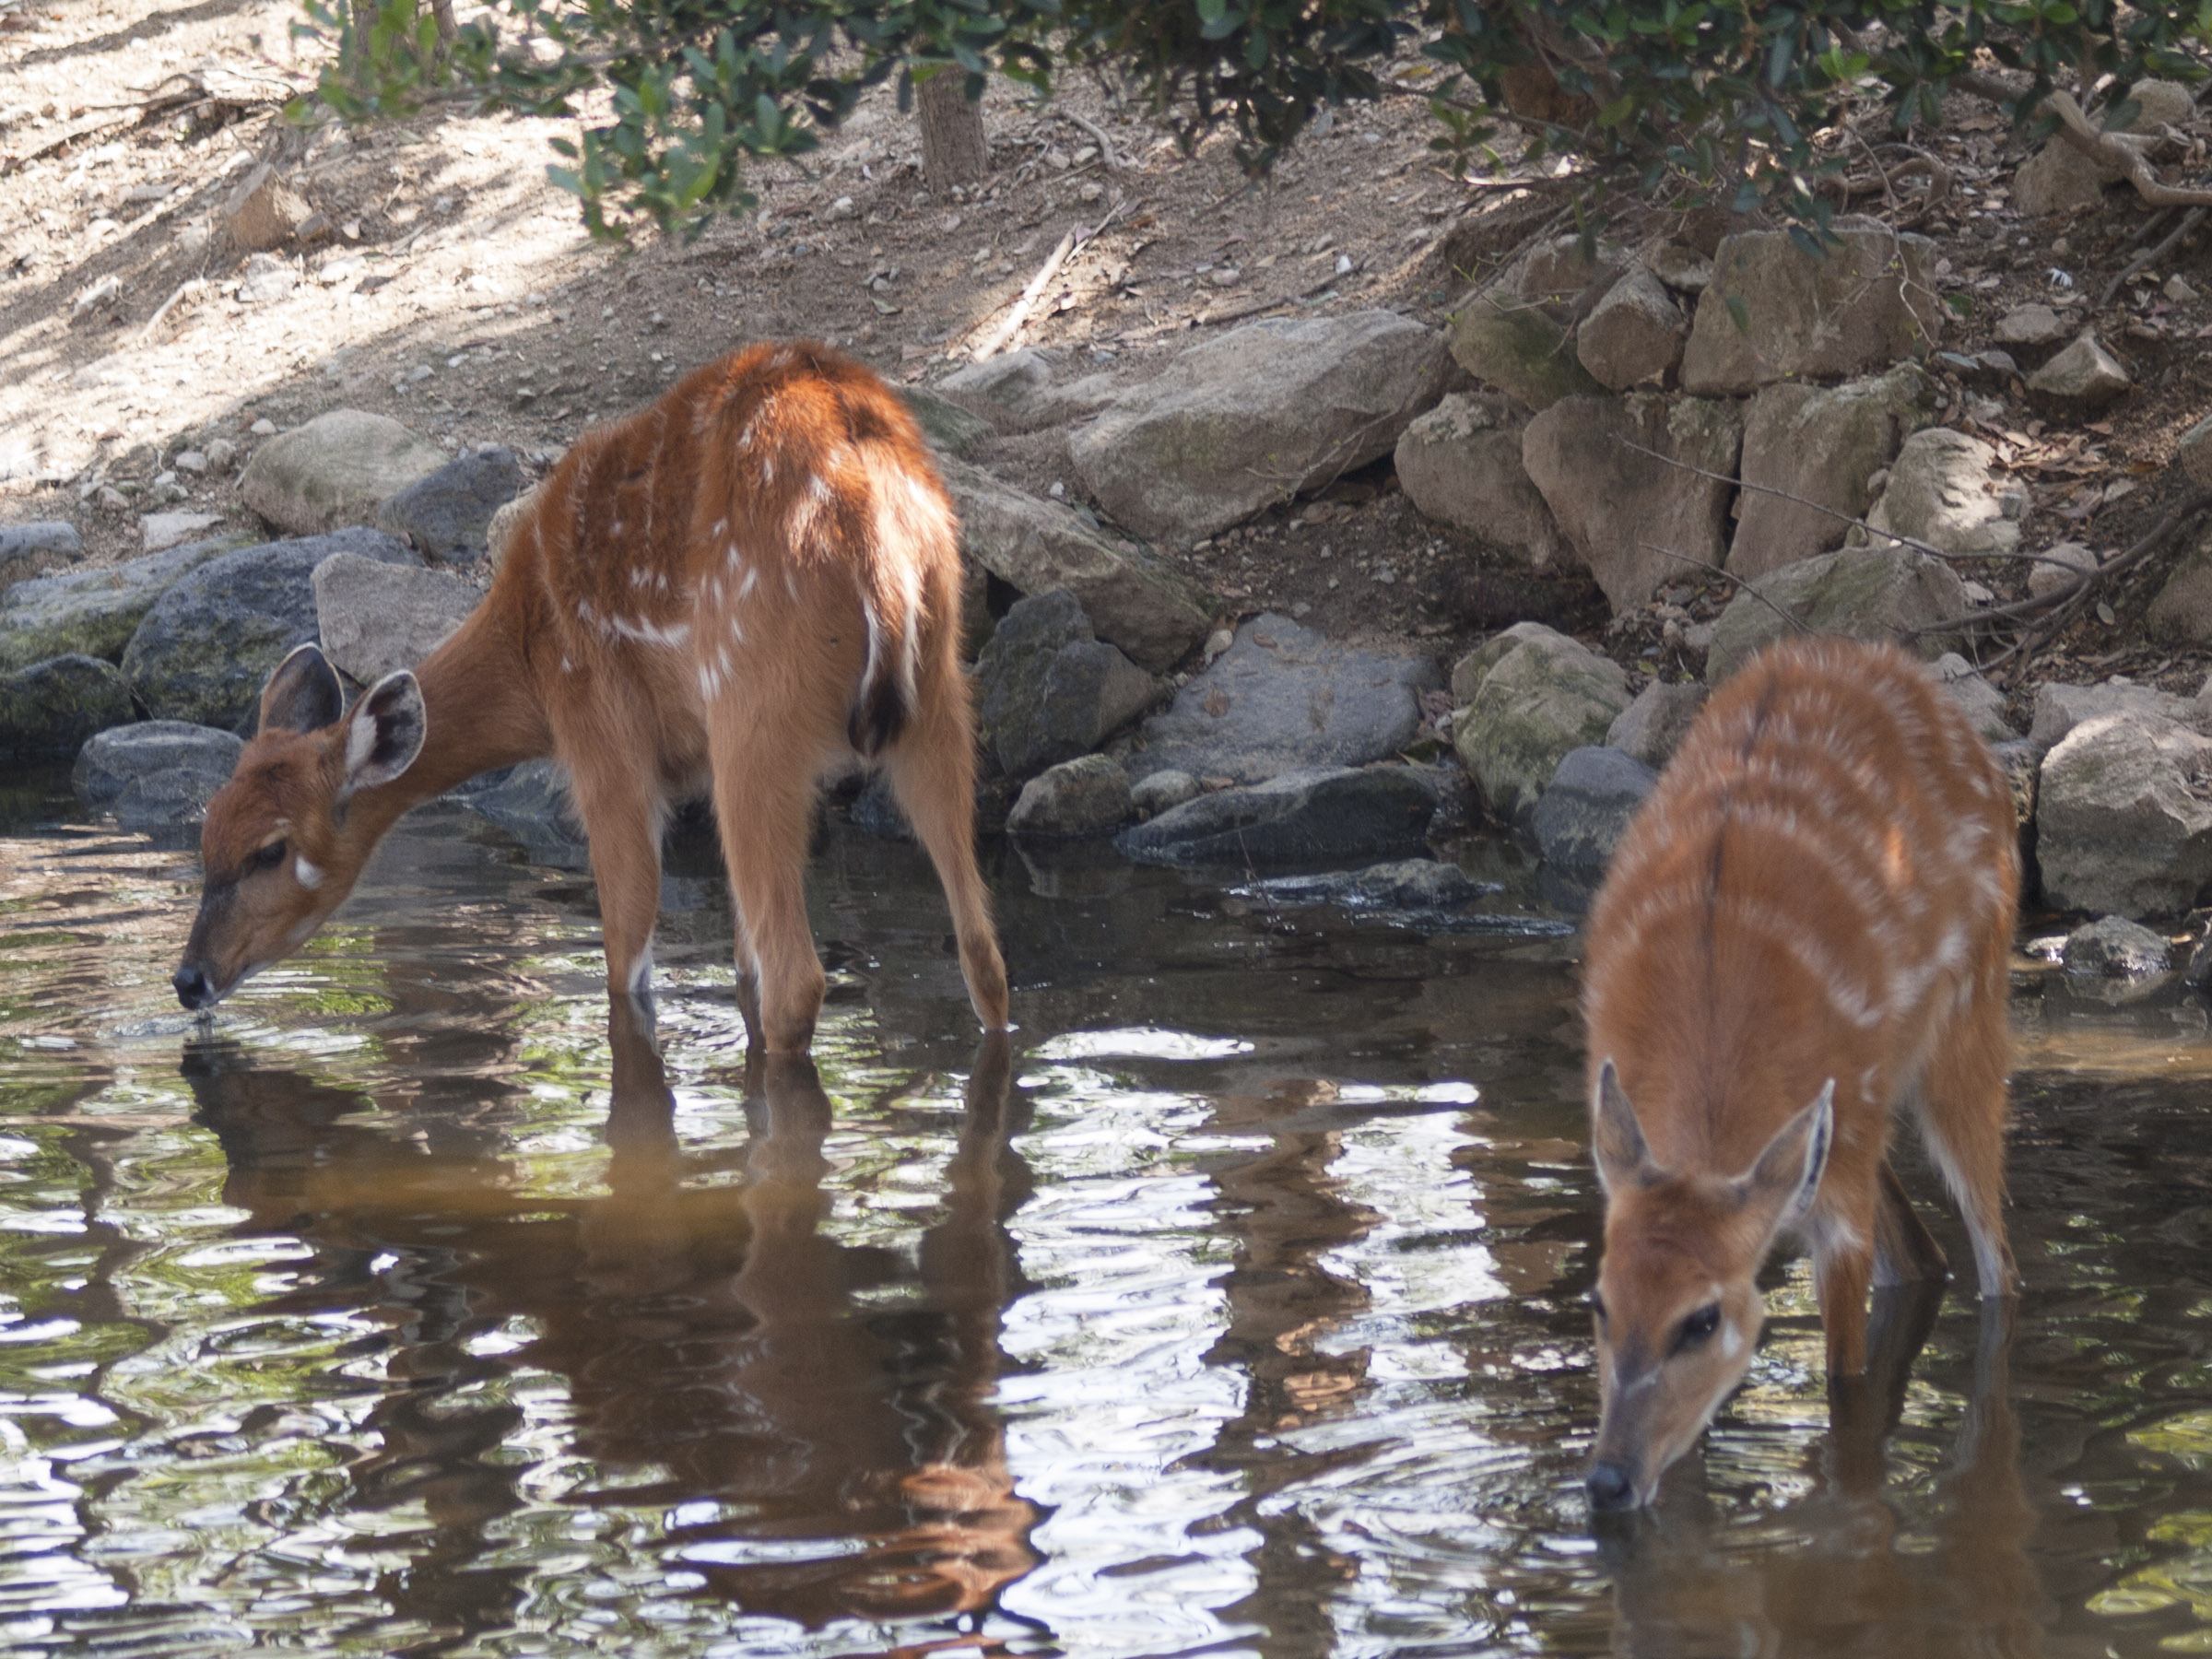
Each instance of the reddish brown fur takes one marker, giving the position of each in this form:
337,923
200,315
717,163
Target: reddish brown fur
686,603
1820,890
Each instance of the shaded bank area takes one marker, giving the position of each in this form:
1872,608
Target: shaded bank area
1240,1312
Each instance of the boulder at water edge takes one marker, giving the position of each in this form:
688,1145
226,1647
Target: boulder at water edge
1588,806
207,645
50,708
2123,818
1326,815
1048,690
93,613
1282,698
1087,796
1542,697
156,774
1134,599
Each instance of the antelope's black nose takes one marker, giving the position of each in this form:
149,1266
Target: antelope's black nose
194,989
1609,1487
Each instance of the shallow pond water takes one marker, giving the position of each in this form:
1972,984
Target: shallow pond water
1241,1313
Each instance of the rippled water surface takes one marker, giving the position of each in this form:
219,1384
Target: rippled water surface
1240,1314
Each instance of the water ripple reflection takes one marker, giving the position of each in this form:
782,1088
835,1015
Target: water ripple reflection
1237,1309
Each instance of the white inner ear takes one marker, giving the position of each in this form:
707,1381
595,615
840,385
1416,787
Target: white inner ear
306,874
360,742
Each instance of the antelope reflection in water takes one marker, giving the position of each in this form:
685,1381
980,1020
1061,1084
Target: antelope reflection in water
713,1340
1829,1575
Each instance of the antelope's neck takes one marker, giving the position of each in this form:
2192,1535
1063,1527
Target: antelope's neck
481,710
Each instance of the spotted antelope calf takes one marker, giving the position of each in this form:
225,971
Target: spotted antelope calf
732,589
1808,925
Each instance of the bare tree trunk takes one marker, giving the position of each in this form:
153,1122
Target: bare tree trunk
954,150
443,11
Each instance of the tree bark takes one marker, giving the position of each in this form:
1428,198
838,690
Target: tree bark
954,150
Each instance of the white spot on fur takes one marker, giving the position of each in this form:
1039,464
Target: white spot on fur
745,588
306,874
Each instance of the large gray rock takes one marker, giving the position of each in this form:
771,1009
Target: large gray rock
335,471
1022,391
1236,424
1087,796
50,708
1588,806
1326,815
1282,698
1460,464
1810,447
1775,313
1653,727
93,613
1866,593
2031,325
2124,817
1047,690
2084,376
375,617
1942,492
204,651
156,774
2060,708
1634,335
1135,599
1639,522
446,514
2061,565
1543,697
1510,345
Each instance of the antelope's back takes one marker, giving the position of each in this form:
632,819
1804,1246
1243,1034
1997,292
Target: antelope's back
1824,876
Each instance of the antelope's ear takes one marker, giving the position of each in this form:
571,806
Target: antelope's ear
303,695
1785,1181
385,732
1615,1137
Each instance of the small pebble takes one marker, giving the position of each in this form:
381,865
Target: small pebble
264,428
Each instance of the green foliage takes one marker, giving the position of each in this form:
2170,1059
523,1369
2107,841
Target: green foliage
1708,101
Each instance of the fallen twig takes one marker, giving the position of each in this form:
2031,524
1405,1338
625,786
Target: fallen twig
1742,585
1002,336
2190,221
2124,152
193,286
1107,153
2179,515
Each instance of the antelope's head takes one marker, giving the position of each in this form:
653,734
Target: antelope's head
1677,1307
277,851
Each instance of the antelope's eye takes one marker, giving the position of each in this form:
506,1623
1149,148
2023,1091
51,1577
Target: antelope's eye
1597,1306
268,858
1698,1326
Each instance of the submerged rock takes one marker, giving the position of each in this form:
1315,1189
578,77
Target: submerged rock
1326,815
2114,947
155,774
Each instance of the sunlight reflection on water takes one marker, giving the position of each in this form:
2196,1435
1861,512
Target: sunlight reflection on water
1248,1318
